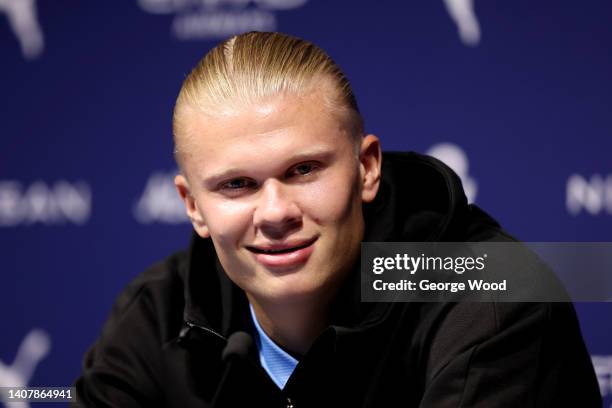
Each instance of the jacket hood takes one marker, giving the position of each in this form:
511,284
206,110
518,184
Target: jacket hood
420,199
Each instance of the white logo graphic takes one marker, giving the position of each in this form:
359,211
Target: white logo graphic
594,196
207,19
462,13
21,15
61,203
34,347
603,370
455,158
160,202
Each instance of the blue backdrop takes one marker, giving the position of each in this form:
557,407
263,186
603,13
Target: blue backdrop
515,95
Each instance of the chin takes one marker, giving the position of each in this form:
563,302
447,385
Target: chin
296,287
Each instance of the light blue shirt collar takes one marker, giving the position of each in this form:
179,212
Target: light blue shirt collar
277,362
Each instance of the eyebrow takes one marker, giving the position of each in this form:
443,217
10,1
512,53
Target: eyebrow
323,154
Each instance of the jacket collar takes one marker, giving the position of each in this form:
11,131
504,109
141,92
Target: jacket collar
212,300
420,199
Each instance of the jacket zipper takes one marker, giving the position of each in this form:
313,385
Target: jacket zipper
193,325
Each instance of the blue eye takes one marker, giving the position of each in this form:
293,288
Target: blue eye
303,169
236,184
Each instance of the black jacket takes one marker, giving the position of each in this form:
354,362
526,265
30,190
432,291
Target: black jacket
162,344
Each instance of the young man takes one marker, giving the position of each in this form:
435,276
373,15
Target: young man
282,185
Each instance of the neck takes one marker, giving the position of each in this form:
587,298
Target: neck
293,326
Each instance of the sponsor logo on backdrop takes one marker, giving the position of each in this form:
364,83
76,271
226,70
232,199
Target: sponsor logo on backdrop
42,203
213,19
455,158
589,194
22,19
603,370
210,19
34,347
160,202
463,14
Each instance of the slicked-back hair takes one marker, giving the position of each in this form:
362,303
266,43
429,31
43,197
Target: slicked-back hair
250,67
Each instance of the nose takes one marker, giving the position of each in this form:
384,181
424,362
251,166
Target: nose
277,213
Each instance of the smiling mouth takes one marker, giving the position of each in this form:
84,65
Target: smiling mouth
283,257
281,249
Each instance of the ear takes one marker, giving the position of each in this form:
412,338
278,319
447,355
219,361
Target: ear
370,158
191,207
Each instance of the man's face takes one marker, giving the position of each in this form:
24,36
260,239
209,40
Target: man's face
279,187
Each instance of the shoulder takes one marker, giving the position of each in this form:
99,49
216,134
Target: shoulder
125,365
157,294
536,348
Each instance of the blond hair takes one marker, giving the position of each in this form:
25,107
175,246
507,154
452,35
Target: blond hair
250,67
